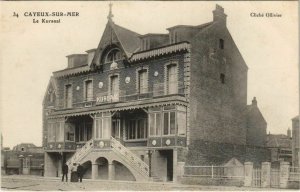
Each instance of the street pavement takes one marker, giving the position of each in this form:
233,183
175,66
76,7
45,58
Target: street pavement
36,183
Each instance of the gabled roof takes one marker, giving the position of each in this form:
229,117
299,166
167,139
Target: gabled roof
52,82
129,40
280,141
252,109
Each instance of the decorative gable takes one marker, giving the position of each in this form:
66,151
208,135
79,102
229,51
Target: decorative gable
115,36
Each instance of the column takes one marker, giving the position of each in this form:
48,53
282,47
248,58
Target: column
111,171
248,174
175,165
180,169
265,174
284,174
59,166
94,171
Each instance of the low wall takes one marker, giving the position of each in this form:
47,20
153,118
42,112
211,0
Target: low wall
194,180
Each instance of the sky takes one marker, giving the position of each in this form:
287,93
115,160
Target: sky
30,52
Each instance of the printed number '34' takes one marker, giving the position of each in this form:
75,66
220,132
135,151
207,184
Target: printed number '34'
15,14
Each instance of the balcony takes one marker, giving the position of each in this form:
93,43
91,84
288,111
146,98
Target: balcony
154,91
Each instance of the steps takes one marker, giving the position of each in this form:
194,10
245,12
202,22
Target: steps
133,160
120,151
81,153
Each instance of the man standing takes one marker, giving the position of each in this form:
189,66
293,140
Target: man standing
65,170
80,172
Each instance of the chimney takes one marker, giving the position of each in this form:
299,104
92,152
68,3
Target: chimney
77,60
254,102
219,15
289,133
90,56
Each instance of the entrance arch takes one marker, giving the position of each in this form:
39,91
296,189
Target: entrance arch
87,170
102,163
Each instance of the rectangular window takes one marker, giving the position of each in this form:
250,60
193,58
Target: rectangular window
51,132
70,132
221,44
102,128
155,124
84,131
222,78
181,122
152,124
143,87
137,129
166,123
59,132
114,88
172,83
88,90
169,123
68,96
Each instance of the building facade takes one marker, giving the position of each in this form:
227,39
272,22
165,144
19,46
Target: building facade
295,141
142,106
24,158
280,146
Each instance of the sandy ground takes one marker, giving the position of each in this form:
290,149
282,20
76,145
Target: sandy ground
36,183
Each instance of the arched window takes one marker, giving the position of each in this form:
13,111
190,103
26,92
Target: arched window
113,55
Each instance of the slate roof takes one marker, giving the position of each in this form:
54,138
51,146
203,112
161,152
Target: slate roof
278,141
129,40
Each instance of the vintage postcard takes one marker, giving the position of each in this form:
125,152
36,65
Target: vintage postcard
149,95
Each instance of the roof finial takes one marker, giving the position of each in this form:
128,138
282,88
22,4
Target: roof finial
110,15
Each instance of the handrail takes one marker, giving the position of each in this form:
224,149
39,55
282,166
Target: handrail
130,157
80,153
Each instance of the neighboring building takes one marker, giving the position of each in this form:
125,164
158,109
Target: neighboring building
280,146
296,141
25,158
143,105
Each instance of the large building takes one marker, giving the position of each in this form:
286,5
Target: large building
24,158
280,146
142,106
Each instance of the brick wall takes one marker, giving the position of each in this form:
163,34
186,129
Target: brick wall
126,88
216,107
212,153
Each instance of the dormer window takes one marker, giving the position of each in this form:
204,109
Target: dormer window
113,55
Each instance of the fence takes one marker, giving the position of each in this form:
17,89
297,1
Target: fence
256,178
215,171
266,176
275,177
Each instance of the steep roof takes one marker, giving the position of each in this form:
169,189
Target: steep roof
253,109
129,40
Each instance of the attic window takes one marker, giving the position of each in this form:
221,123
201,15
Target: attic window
221,44
113,55
222,78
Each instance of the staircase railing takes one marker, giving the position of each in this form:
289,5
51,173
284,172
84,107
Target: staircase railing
82,152
130,157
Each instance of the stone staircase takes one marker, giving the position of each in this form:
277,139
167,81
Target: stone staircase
80,153
130,157
120,151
